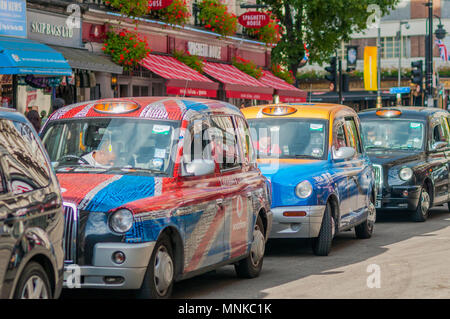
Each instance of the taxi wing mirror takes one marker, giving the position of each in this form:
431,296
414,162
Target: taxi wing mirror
343,153
438,145
199,167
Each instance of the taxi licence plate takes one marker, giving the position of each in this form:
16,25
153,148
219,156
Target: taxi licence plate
378,203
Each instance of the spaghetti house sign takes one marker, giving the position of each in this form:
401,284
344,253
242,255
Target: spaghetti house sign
254,19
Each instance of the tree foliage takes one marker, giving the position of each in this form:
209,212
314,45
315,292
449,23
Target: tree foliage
321,24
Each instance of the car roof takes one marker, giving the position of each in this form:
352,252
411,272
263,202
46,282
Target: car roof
304,110
163,108
410,112
13,115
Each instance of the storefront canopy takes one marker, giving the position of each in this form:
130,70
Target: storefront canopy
286,92
181,79
84,60
24,56
237,84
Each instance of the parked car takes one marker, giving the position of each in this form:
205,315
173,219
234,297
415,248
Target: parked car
322,181
31,214
410,151
158,189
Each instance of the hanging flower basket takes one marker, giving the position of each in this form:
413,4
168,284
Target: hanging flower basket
129,8
126,48
283,73
192,61
214,16
269,34
177,13
247,67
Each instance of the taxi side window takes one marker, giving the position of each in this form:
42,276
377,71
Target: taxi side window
446,130
339,138
438,134
352,134
196,143
244,133
223,136
25,160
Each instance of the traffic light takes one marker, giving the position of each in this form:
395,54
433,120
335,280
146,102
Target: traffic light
417,72
345,82
332,77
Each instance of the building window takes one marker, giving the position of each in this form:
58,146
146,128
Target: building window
390,47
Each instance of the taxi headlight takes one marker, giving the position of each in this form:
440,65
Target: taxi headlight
405,173
121,221
303,189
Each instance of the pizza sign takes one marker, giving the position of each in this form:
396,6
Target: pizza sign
254,19
159,4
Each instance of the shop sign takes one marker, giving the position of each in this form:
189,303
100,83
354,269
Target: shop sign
52,29
13,18
205,50
159,4
191,92
254,19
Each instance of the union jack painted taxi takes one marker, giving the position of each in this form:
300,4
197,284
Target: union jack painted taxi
322,181
157,189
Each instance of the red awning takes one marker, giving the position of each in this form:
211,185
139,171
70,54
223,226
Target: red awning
237,84
286,91
181,79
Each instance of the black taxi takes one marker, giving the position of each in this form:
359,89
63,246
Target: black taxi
410,151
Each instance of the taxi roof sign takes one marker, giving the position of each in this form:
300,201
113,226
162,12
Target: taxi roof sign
279,110
388,113
116,107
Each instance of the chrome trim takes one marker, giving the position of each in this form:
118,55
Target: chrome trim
378,175
70,232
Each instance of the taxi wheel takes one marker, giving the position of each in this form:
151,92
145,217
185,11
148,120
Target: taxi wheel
322,245
33,284
421,213
365,229
159,277
251,266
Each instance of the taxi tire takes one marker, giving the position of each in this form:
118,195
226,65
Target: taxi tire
418,215
245,267
363,231
322,245
148,289
31,270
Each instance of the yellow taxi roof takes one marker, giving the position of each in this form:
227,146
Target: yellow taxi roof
304,110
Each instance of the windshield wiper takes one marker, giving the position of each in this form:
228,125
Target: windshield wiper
305,156
129,170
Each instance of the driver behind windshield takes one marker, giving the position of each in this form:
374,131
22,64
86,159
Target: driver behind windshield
103,157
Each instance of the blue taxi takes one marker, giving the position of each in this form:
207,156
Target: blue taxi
322,181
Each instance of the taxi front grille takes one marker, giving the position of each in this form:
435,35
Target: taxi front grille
70,232
378,174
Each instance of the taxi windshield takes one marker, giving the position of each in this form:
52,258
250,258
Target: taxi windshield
112,143
393,134
289,138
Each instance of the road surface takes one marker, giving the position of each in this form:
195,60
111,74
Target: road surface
403,259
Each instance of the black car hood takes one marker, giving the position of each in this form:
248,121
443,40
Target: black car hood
393,157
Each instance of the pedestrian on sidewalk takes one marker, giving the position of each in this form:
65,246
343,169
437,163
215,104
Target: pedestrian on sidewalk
35,119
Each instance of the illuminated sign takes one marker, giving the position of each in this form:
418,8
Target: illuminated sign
388,113
279,110
116,107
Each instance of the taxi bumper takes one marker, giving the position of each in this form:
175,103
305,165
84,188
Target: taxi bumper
399,198
307,226
105,273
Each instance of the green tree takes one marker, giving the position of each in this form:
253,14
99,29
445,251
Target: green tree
321,24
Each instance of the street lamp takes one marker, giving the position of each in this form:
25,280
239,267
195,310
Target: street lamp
399,37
